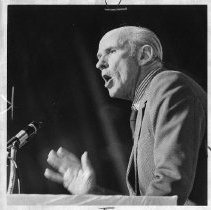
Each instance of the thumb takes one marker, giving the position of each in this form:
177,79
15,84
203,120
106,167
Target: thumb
85,162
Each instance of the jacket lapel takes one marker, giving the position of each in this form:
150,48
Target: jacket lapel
132,173
133,120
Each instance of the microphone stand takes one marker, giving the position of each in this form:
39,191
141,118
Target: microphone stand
14,144
13,168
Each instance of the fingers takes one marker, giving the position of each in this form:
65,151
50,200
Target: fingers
75,175
62,160
55,161
60,152
63,153
68,178
53,176
85,162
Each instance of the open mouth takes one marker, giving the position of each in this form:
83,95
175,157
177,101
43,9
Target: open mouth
106,78
108,81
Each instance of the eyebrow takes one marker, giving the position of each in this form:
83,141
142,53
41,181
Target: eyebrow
106,50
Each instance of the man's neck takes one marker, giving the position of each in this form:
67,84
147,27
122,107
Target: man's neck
145,70
147,75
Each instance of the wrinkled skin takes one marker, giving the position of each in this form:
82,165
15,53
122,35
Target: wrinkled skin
115,60
77,176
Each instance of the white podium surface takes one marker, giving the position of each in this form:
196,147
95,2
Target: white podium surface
89,200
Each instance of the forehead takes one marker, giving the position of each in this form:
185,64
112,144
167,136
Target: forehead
110,39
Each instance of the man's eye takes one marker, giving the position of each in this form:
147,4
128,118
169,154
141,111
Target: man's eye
112,50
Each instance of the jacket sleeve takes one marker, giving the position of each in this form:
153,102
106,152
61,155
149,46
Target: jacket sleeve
178,123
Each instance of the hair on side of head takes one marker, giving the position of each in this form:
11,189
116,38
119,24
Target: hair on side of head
136,37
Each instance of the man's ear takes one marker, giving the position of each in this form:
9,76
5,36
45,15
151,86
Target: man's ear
144,55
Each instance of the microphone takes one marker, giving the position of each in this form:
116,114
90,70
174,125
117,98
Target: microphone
22,136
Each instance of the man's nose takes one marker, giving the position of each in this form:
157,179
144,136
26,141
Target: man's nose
102,64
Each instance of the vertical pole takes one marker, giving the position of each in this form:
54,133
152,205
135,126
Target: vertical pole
13,167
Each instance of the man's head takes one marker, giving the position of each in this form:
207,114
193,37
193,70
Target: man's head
123,55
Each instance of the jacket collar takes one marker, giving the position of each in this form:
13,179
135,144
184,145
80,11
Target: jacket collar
141,88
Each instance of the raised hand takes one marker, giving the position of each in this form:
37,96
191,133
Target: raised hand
76,175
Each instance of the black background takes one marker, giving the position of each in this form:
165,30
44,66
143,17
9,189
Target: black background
51,65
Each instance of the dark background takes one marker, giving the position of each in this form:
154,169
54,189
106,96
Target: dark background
51,65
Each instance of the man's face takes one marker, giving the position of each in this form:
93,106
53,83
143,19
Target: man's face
118,68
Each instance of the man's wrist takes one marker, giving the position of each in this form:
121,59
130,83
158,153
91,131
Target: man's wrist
97,190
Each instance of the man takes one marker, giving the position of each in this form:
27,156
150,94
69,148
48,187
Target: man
168,122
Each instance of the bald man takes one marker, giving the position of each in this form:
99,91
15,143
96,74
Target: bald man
168,122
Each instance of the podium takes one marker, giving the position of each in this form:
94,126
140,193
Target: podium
89,200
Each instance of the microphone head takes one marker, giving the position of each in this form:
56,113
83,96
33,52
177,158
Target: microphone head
23,136
38,125
31,129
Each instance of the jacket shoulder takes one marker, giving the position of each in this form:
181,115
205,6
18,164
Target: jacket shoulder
168,80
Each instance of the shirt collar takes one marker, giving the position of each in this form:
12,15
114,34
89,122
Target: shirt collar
140,90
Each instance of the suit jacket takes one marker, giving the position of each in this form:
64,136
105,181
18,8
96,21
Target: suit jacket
169,155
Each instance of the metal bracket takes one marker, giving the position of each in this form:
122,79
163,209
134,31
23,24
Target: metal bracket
114,8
